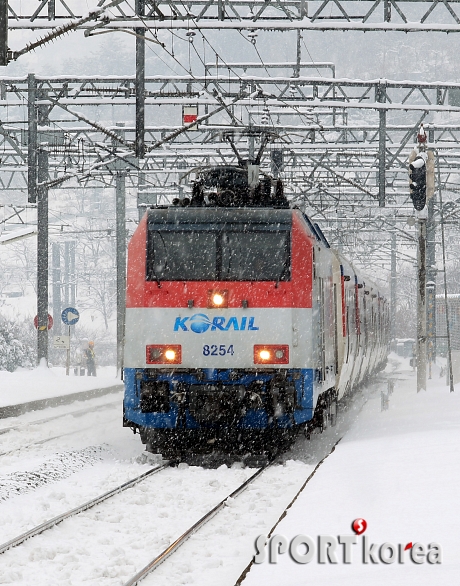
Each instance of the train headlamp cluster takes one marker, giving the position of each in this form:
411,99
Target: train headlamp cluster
172,354
271,354
163,354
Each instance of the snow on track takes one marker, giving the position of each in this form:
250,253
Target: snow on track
33,436
219,552
109,543
23,512
76,510
62,466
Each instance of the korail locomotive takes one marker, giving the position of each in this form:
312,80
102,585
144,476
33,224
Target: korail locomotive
243,326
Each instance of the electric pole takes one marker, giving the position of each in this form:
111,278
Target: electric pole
431,273
3,32
37,192
67,274
72,276
56,256
421,183
421,305
140,83
393,291
381,97
121,263
120,206
32,138
42,254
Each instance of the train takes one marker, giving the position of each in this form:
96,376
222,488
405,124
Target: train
243,326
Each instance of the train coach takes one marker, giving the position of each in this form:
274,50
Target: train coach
243,326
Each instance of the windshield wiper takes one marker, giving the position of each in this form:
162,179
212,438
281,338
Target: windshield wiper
284,271
156,277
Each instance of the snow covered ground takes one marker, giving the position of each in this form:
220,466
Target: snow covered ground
398,470
44,383
394,468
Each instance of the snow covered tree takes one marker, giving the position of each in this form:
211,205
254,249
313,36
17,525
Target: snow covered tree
14,348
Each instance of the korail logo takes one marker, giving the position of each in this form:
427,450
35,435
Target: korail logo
200,323
304,549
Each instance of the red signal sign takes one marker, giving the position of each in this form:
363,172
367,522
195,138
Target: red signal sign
48,326
189,115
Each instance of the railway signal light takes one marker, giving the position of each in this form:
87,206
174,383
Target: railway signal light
417,179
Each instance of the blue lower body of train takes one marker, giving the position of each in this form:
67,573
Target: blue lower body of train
208,402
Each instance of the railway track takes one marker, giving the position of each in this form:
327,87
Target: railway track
75,511
159,559
43,527
172,546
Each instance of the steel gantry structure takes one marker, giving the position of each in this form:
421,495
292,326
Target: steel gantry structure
343,140
312,14
344,143
332,164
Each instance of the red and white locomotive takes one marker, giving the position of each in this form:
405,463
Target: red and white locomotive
242,325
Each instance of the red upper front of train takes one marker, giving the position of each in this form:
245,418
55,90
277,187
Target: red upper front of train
293,290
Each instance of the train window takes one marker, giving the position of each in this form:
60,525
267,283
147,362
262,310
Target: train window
232,253
255,256
181,256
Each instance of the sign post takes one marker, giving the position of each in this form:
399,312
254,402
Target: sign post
69,316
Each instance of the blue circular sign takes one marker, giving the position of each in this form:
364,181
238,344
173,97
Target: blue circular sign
70,316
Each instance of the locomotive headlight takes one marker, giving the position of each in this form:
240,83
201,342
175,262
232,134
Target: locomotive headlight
217,299
271,354
170,354
163,354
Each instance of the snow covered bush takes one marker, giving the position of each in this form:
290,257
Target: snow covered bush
15,350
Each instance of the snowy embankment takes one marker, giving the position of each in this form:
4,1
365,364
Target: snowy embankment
23,386
398,470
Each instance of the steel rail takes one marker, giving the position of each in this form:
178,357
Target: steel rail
296,496
193,529
88,505
45,420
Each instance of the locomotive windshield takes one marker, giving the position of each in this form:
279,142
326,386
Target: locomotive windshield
219,245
